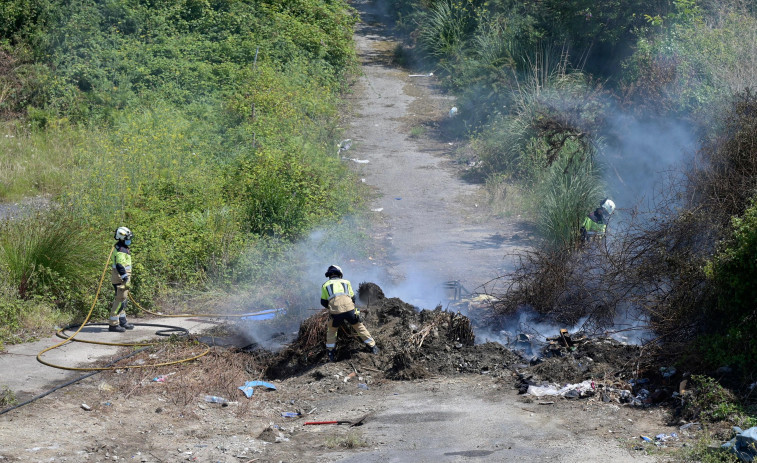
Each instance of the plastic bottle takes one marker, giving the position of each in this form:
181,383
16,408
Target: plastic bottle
215,399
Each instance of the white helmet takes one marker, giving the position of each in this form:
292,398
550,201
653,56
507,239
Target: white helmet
123,234
608,206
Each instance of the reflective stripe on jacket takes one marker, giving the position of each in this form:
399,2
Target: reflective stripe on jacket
338,292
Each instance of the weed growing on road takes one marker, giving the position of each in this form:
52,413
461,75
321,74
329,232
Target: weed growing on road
417,132
7,397
353,440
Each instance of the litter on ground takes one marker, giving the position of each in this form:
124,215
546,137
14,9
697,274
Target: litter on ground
249,386
569,391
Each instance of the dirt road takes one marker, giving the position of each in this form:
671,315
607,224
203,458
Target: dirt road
436,226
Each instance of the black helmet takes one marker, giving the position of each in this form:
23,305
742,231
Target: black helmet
334,270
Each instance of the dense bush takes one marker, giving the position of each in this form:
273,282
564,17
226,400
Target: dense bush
599,33
729,338
695,65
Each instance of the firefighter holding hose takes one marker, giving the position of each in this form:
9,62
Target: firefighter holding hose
337,296
121,280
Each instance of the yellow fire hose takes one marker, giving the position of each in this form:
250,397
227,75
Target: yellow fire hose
91,309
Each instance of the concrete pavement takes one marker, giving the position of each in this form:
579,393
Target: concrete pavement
26,377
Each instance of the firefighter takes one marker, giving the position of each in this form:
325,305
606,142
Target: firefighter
121,279
595,224
337,296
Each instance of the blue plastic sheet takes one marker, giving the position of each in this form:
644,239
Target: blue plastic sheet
249,385
263,314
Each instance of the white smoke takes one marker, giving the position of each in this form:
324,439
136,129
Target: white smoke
641,155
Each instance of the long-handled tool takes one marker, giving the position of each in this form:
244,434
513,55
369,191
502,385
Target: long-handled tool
359,422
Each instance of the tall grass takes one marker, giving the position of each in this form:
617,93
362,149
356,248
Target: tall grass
549,101
33,162
443,28
564,197
47,254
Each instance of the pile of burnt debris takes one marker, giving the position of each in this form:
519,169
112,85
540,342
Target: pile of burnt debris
418,343
574,365
414,343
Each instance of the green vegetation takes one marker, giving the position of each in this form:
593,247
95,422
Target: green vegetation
207,127
544,141
708,401
48,255
695,65
733,271
352,440
7,397
706,449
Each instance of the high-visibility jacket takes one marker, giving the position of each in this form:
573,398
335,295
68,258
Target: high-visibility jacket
593,227
121,263
337,295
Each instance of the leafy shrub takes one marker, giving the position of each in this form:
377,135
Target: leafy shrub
22,19
710,402
696,66
730,336
599,33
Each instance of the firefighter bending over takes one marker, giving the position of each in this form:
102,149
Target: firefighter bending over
337,296
594,225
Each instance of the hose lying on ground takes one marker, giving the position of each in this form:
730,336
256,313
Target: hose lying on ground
84,323
68,383
166,331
